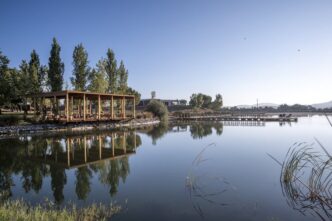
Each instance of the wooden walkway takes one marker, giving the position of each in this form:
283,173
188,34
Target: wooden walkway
239,118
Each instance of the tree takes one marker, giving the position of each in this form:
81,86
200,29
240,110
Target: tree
36,73
137,95
98,78
206,100
56,68
24,86
81,69
217,103
153,94
4,76
159,109
196,100
122,74
111,70
200,100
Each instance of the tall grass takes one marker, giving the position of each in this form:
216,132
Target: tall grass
19,210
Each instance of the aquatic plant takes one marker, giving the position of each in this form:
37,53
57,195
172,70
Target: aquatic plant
306,179
204,187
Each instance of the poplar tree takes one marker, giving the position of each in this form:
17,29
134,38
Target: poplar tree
4,87
81,69
98,78
122,74
56,68
111,70
37,73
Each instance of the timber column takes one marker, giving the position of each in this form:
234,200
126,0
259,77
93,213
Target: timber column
98,107
123,107
134,108
112,108
84,108
67,107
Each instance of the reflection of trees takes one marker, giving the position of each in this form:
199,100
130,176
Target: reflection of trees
59,179
32,172
83,176
6,169
58,174
199,130
157,132
112,171
52,151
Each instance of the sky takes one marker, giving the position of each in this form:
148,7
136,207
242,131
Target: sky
272,50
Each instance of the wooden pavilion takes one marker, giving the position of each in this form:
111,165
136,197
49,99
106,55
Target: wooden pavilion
80,106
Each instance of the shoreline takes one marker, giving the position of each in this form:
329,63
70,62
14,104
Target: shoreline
9,131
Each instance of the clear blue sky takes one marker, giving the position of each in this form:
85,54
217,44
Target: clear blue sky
276,51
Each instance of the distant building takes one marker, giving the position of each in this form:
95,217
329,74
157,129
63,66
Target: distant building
168,103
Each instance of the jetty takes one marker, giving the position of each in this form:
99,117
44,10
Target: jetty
244,118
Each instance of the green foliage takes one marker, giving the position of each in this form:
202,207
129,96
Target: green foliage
37,73
205,101
56,68
196,100
111,70
122,74
81,69
217,103
4,75
158,108
131,91
98,78
24,78
31,77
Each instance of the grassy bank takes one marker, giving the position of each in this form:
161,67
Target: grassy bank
19,210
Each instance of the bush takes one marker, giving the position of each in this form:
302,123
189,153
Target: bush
158,108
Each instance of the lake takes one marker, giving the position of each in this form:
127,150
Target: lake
183,171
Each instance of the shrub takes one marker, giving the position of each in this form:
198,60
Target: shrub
158,108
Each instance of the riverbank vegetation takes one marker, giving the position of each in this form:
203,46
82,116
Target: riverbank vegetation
159,109
205,101
33,77
19,210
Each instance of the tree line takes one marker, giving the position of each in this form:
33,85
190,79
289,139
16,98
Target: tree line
32,77
200,100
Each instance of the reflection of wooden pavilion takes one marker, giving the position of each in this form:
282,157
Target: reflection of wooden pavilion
79,151
79,106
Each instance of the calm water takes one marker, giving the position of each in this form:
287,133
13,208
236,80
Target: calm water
211,171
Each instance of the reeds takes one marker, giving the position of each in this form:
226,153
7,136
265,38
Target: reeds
202,187
306,179
17,210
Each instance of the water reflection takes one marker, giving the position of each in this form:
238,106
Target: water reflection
198,130
36,157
